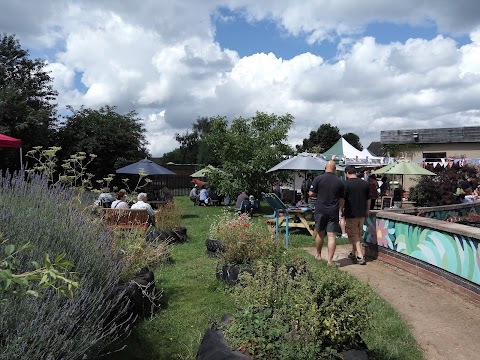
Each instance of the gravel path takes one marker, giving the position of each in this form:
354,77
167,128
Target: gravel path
446,325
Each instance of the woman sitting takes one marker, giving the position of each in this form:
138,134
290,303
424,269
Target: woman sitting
121,202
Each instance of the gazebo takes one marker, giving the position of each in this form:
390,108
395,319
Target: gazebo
10,142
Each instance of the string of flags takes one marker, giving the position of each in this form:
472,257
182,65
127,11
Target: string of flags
449,162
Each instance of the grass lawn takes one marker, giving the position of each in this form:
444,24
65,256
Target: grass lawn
193,299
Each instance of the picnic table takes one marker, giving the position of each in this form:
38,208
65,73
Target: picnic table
289,217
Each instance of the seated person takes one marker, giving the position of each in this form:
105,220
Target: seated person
241,198
156,196
302,202
469,196
252,204
167,195
203,197
243,203
476,192
194,194
105,198
142,204
214,196
121,202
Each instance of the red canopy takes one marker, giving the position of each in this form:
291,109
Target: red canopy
7,141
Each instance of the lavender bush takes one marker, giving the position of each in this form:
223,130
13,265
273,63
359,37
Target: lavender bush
54,327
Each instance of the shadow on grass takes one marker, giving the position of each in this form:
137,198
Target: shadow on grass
189,216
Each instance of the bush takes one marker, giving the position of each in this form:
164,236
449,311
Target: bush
305,316
439,190
245,241
138,253
168,216
54,327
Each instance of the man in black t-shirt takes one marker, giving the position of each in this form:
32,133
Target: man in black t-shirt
357,205
329,191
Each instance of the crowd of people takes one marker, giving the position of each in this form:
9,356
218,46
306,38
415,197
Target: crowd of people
120,200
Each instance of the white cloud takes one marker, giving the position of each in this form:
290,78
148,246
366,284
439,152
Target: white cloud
160,59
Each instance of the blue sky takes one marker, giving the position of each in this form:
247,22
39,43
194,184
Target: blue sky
173,62
248,38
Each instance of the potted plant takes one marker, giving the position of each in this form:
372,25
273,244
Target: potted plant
242,242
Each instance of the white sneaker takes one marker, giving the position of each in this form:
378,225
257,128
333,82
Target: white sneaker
345,236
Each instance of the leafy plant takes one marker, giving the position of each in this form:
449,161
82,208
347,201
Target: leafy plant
54,274
306,316
439,190
245,240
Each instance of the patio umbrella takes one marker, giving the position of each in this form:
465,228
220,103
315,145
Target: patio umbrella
145,165
301,162
404,168
203,172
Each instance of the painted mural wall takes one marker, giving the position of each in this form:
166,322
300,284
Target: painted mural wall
455,253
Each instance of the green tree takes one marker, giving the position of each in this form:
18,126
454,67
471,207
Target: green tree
246,149
353,140
116,139
321,140
27,110
193,148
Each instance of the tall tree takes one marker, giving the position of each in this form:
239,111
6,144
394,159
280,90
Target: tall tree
27,110
353,140
321,140
246,149
192,147
116,139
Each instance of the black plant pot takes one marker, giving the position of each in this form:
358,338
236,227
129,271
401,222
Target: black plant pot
180,234
214,247
230,273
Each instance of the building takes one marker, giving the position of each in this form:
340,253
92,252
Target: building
433,145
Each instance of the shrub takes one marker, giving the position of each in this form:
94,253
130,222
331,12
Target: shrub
439,190
280,316
245,241
137,253
54,327
168,217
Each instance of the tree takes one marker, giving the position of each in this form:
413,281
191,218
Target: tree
353,140
321,140
193,148
27,110
246,150
117,140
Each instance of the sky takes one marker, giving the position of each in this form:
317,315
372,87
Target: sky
363,66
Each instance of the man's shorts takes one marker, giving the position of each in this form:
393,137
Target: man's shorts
328,222
354,228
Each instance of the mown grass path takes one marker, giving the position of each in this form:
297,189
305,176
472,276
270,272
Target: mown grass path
193,299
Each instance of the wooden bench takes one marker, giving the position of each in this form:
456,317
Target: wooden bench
126,219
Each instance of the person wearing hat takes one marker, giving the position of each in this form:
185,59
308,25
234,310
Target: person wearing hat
194,194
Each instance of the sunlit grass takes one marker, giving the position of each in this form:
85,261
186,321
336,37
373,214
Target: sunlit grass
193,299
